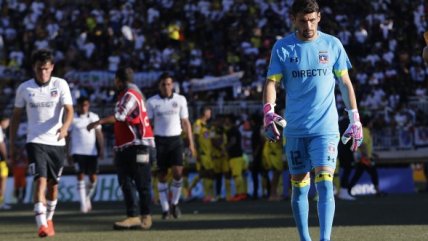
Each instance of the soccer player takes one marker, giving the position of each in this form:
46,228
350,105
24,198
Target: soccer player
205,165
220,159
309,62
4,170
272,161
133,140
85,149
236,159
45,99
169,115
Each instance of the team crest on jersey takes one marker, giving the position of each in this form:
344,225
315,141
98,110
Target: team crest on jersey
54,93
323,57
174,104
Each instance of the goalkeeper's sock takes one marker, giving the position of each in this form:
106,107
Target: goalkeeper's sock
50,208
40,214
300,206
326,204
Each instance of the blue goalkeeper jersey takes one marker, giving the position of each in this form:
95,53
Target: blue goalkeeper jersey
308,70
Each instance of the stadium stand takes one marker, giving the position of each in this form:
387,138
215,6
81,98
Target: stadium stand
198,40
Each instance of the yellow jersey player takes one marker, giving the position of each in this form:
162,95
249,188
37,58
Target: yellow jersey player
205,164
272,161
220,158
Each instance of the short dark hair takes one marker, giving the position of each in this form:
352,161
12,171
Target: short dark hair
304,6
82,100
42,55
125,74
165,75
205,108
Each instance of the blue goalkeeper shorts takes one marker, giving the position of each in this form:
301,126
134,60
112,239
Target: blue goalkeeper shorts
307,153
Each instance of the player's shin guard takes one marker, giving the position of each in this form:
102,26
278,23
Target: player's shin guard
163,195
40,214
50,208
300,206
176,190
326,204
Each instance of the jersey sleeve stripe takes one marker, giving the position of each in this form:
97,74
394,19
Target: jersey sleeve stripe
275,77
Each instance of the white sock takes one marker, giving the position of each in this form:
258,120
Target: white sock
50,208
176,190
40,214
81,186
163,196
91,189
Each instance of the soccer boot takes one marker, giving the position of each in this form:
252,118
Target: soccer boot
175,211
51,229
128,223
166,215
43,231
146,221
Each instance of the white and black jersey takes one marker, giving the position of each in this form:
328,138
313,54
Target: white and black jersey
83,142
44,107
166,114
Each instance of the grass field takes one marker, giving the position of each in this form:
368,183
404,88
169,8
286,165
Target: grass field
394,217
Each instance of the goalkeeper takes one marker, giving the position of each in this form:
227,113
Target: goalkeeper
309,62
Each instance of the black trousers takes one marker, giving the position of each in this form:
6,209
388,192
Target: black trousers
134,177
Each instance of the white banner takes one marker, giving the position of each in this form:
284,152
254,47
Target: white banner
106,78
211,83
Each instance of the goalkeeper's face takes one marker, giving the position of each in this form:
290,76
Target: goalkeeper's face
307,25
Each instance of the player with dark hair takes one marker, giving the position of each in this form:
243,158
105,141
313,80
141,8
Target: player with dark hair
169,116
85,149
133,140
45,98
309,62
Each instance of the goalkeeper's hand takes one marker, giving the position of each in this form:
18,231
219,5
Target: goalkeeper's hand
354,130
271,120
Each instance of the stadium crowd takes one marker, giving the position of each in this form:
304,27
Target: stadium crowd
198,38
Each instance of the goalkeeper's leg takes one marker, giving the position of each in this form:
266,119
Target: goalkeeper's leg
300,206
326,204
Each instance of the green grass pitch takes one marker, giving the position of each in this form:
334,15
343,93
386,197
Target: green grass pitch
394,217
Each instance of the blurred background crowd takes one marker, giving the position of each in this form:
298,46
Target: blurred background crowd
197,39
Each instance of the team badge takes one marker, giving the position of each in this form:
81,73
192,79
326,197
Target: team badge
174,104
323,57
54,93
